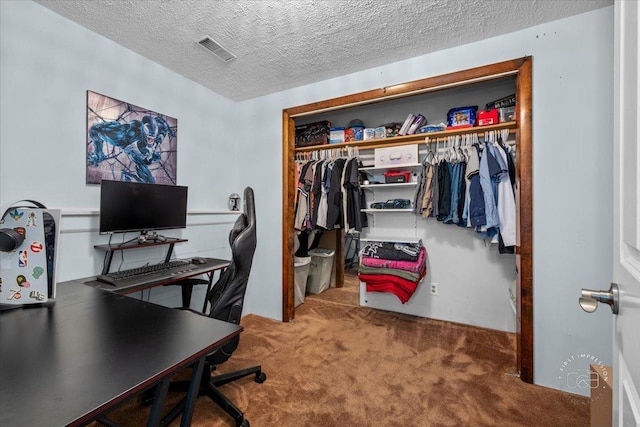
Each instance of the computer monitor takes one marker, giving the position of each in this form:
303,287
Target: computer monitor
132,206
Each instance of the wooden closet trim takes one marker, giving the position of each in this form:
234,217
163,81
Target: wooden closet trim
521,68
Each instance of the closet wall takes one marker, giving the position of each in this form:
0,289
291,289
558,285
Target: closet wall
476,291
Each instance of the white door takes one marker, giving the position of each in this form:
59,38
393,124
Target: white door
626,216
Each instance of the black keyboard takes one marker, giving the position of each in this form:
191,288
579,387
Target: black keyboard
147,273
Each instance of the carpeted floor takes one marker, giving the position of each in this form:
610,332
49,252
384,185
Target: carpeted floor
338,364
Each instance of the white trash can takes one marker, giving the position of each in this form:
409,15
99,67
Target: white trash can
320,270
301,273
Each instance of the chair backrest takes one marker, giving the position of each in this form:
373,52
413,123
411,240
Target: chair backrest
226,297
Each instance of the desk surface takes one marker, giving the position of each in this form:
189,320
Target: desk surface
66,363
144,282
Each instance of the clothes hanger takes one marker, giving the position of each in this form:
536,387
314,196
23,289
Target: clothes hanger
461,155
429,158
451,152
467,145
445,149
504,136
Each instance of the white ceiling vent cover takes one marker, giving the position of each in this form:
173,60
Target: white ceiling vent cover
216,48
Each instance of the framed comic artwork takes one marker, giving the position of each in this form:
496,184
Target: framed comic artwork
126,142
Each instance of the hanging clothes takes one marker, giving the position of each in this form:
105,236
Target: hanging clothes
334,198
355,220
444,190
477,217
423,201
506,201
321,219
301,221
435,191
492,221
471,184
420,189
316,191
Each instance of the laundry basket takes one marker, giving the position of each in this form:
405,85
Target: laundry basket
320,270
301,273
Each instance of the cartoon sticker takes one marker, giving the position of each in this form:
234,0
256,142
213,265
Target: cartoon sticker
22,281
37,272
31,222
15,294
16,214
36,247
37,295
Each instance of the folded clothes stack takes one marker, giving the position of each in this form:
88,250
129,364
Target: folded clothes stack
396,268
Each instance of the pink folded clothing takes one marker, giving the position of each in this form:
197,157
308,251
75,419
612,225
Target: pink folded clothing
414,267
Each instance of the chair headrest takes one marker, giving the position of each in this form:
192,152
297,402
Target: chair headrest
249,206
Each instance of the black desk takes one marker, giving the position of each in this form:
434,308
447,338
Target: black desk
67,363
209,268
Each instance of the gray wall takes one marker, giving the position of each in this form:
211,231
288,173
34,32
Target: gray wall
47,63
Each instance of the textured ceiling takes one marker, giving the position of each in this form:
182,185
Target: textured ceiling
289,43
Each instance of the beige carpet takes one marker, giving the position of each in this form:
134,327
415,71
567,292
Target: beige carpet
339,364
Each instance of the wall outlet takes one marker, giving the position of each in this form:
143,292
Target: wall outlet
433,289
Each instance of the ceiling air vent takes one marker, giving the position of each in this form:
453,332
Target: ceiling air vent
216,48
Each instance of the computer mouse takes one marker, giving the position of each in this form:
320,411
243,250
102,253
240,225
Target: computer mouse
198,260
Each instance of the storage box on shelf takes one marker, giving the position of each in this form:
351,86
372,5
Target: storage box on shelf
416,138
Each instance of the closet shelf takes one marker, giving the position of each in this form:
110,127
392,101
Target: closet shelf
386,210
393,185
390,239
406,139
369,170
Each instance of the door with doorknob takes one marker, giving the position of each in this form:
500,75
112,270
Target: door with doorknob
623,295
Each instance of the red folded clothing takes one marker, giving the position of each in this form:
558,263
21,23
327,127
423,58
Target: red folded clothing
402,288
403,295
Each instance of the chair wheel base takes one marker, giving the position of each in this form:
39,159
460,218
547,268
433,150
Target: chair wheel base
261,377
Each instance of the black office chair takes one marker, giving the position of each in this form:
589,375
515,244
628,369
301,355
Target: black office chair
225,300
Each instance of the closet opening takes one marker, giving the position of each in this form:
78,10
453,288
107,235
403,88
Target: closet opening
429,96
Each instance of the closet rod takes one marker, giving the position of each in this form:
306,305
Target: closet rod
440,139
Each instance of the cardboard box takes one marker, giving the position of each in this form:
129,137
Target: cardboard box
336,135
396,156
488,117
601,395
